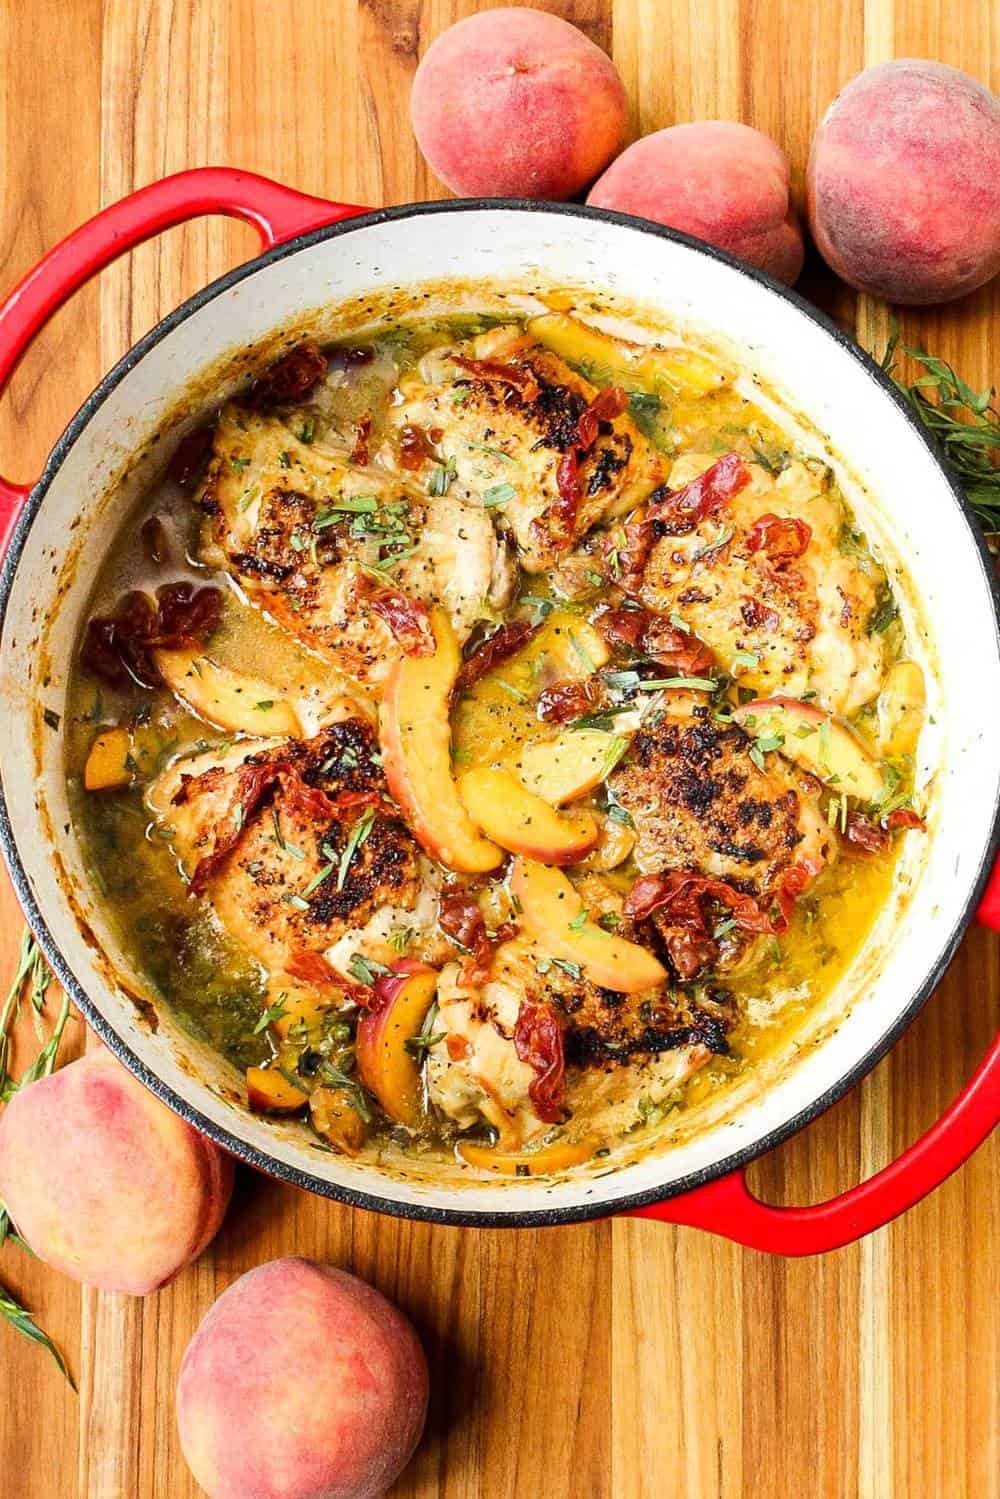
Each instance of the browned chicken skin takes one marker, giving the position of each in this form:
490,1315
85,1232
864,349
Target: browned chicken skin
314,798
505,411
699,802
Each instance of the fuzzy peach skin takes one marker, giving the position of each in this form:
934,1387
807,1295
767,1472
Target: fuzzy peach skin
104,1182
718,180
517,103
904,182
302,1382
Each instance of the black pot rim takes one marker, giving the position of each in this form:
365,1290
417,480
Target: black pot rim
240,1149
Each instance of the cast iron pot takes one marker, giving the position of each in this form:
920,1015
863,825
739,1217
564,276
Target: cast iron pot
319,255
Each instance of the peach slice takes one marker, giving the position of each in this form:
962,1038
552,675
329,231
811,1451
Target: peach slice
271,1092
570,647
522,822
227,698
415,733
335,1118
108,763
553,913
902,705
385,1064
573,763
559,1156
817,741
581,344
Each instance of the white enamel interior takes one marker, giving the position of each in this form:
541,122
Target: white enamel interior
909,503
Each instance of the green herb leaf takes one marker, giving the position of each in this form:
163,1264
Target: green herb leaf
965,422
498,494
358,835
23,1322
275,1012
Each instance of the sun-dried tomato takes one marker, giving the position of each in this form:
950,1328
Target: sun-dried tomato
903,818
190,457
680,894
567,701
461,919
118,647
791,885
757,616
362,432
627,550
524,381
312,968
500,646
682,510
676,649
624,627
861,832
186,616
689,951
408,619
291,378
415,447
538,1041
781,538
606,405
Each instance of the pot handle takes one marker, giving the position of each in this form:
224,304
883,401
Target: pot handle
277,213
728,1207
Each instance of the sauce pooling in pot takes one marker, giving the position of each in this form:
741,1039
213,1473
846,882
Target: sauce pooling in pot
494,738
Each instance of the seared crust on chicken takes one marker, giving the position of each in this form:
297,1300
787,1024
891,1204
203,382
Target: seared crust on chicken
274,825
346,558
603,1025
504,413
700,803
802,623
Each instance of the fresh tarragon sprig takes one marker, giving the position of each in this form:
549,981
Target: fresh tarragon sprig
965,422
31,981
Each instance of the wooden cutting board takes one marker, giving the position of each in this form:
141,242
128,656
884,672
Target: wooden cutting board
621,1360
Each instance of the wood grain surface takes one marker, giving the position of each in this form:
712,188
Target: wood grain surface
621,1360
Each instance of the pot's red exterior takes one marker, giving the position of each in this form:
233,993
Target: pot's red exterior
725,1206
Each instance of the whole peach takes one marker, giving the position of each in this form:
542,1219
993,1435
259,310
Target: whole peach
104,1182
904,182
718,180
302,1382
516,103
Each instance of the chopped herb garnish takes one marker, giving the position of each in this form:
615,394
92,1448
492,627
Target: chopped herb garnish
573,969
586,659
484,447
284,459
498,494
618,813
239,464
420,1044
265,704
541,608
698,684
515,692
885,611
317,879
442,477
359,833
366,970
308,432
580,920
298,902
749,659
274,1012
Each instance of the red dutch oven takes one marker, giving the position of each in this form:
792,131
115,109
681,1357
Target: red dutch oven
321,265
